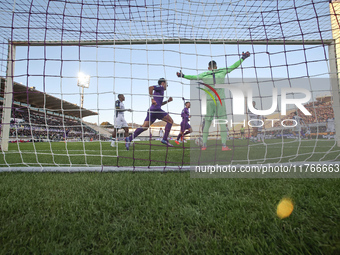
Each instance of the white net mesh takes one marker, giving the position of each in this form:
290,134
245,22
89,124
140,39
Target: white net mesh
125,47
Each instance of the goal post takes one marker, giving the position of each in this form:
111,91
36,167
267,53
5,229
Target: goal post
8,98
334,59
334,78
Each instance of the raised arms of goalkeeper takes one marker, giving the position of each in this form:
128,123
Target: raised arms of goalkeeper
211,77
219,73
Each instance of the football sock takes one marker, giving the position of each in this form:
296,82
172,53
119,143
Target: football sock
167,131
187,132
137,132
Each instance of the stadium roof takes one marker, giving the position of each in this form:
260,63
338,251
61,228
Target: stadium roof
38,99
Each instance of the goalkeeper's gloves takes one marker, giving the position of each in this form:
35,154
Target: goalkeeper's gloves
180,74
245,55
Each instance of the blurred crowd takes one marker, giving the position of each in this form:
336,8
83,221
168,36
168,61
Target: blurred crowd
321,111
38,126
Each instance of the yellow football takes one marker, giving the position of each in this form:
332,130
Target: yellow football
284,208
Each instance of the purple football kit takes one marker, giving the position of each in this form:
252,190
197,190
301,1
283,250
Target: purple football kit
155,111
185,120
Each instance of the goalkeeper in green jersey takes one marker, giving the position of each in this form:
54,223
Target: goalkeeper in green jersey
212,77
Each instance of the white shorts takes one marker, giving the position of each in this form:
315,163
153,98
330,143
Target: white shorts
297,128
120,122
256,123
330,129
258,128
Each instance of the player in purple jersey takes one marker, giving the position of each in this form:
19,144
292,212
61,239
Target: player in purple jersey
185,123
155,112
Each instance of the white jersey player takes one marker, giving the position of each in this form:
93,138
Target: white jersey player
330,127
120,121
298,121
161,133
256,122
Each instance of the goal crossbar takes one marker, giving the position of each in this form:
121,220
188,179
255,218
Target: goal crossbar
170,41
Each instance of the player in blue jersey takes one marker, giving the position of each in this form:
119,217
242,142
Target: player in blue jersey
155,112
185,123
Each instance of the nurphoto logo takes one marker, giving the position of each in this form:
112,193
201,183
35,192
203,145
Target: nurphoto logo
239,99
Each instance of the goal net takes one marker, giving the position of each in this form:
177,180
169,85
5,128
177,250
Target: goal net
78,79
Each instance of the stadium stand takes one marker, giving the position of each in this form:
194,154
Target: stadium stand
98,129
321,110
39,116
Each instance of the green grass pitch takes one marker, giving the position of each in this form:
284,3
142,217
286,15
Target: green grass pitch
156,154
162,213
165,213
